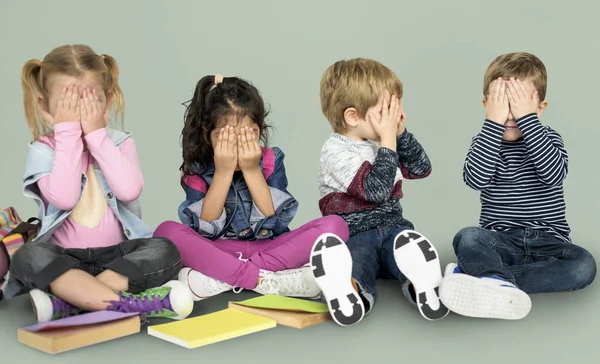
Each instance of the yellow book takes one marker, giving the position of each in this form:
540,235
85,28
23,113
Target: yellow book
209,329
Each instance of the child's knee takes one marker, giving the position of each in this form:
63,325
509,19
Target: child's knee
467,238
157,253
336,225
166,249
32,259
584,271
167,229
29,259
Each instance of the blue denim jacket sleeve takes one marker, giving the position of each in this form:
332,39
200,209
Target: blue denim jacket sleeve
190,210
284,203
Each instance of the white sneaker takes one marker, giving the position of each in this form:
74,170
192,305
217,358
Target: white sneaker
290,282
484,297
418,260
451,268
331,262
200,285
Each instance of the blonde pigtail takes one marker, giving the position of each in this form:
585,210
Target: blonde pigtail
31,83
118,99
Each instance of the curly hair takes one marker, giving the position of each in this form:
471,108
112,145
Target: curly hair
210,104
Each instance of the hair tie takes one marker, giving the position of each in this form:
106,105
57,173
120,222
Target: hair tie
39,63
218,79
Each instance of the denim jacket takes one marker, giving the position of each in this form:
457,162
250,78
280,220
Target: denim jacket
241,219
39,164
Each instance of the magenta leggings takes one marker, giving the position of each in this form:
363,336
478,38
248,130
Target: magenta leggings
220,259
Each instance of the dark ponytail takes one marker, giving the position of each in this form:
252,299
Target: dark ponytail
195,136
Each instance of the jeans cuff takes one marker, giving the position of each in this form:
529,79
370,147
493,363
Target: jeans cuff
368,298
52,271
127,269
406,291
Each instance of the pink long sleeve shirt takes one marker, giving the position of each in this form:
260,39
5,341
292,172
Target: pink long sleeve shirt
92,223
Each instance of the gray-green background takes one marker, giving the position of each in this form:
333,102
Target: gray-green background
439,49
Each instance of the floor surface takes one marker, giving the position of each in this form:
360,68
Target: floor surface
393,330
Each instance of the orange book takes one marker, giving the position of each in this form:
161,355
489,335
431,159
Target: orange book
286,311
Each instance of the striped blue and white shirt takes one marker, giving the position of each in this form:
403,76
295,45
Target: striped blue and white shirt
521,182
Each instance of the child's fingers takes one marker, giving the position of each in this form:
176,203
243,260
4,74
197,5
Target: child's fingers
494,89
255,140
371,118
510,92
87,104
520,88
251,136
491,92
498,86
89,101
47,117
242,143
386,108
226,138
74,98
232,139
220,140
63,94
66,101
516,89
96,100
240,148
244,137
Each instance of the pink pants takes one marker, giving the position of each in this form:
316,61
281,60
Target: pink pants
220,259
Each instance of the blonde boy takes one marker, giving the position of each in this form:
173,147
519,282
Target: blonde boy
361,170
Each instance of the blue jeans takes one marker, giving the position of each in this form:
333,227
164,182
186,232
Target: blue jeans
372,258
533,260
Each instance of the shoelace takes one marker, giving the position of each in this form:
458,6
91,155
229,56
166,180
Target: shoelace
214,285
143,304
284,284
62,307
239,289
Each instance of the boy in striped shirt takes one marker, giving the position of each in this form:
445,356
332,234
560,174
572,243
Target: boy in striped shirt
361,170
522,245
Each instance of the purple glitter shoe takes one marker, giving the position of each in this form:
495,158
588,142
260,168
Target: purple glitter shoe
49,308
172,300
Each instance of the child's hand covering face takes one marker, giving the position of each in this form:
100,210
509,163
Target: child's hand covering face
249,151
523,98
225,151
497,106
67,107
94,115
